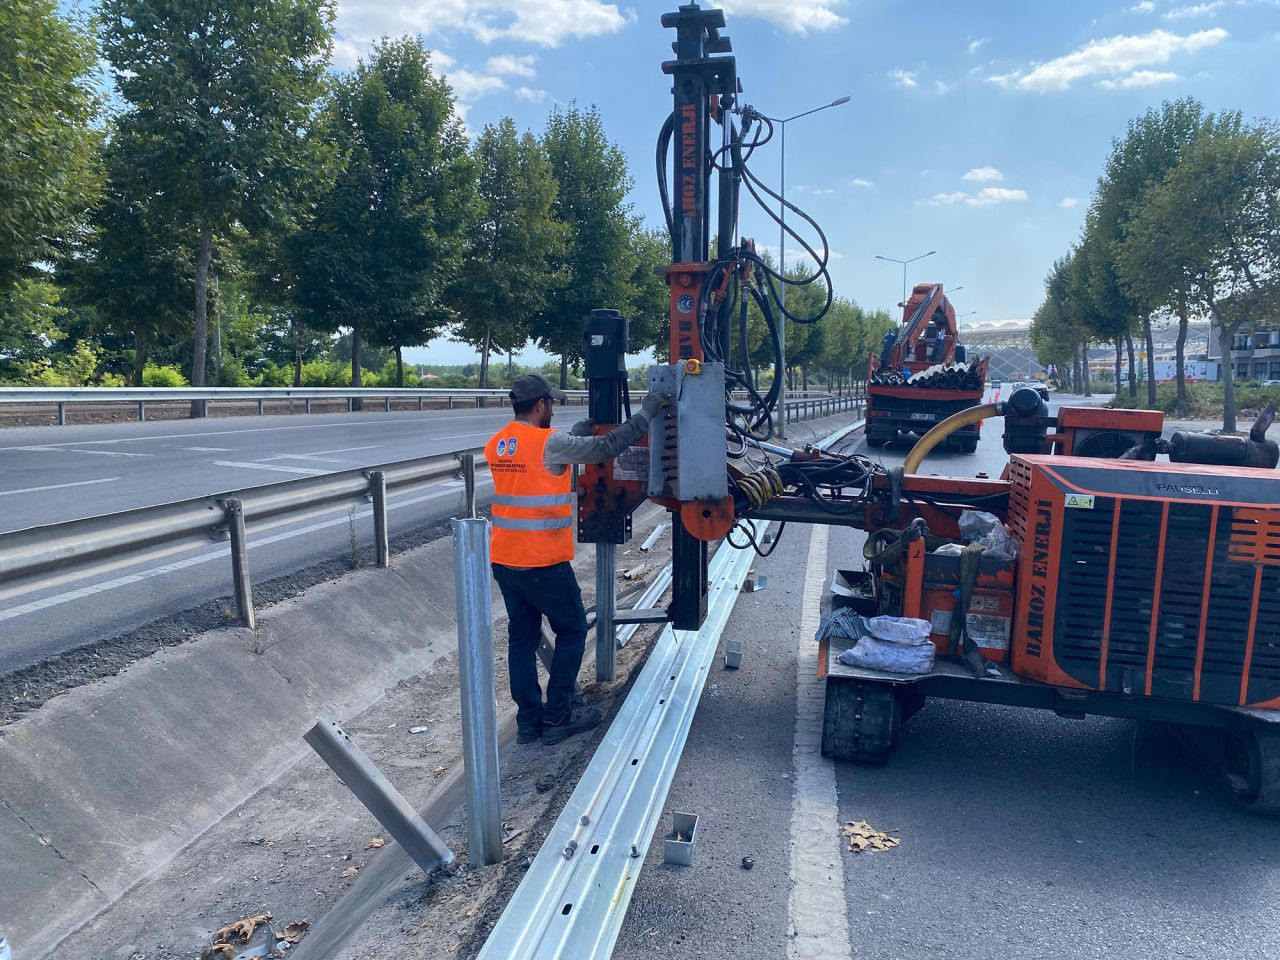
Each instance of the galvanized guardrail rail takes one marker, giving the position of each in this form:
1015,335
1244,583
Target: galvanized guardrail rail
802,404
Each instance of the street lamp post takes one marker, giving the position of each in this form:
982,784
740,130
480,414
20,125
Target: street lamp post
904,269
782,257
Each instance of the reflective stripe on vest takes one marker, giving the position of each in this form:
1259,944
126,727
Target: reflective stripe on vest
532,523
532,499
532,507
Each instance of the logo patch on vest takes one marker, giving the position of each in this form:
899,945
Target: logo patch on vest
502,448
511,447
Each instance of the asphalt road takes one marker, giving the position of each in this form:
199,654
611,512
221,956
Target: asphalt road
1023,834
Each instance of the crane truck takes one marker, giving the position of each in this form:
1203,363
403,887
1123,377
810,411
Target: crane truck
921,376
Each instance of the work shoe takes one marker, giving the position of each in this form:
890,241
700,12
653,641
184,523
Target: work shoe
528,734
582,718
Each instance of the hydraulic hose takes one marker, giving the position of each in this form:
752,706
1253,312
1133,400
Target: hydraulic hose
945,429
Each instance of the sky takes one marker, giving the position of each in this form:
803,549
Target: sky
975,129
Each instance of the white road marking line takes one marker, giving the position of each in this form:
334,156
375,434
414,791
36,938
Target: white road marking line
207,449
816,908
104,586
57,486
320,454
66,448
305,426
309,471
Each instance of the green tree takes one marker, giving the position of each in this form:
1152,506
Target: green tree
513,245
217,97
386,239
49,174
1151,147
136,268
599,262
29,313
1215,220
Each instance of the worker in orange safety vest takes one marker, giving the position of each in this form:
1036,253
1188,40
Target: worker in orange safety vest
532,544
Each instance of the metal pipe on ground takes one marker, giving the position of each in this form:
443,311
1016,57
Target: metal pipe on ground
476,685
380,798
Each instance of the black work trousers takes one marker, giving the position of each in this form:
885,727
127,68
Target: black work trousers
530,595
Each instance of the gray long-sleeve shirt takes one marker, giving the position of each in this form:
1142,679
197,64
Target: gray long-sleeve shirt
563,448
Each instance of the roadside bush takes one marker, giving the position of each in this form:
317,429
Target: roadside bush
166,376
1204,400
322,373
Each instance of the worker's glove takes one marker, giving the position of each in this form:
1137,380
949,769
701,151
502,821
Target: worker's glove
655,401
583,428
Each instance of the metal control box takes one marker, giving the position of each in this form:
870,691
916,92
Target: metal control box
687,443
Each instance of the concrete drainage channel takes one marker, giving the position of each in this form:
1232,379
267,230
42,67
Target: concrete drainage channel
152,833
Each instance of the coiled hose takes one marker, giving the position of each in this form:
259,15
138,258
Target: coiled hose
946,428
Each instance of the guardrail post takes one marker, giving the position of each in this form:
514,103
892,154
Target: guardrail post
380,798
62,414
142,411
306,405
350,404
381,542
240,562
449,401
386,404
419,403
606,598
468,461
261,406
479,708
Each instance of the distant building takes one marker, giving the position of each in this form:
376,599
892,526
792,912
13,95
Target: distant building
1255,351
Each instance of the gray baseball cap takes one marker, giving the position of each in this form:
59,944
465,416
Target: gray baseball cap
531,386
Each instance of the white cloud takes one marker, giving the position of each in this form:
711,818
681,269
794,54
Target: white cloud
1114,56
797,16
1139,78
1066,203
940,87
859,182
975,44
985,197
984,175
902,78
1146,6
989,195
530,94
1195,10
468,85
546,22
512,66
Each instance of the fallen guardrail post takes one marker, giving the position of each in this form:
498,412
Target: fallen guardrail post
381,541
240,562
377,794
476,687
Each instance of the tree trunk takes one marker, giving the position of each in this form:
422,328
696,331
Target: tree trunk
297,353
484,358
1180,359
1133,365
1119,347
399,365
804,378
511,364
564,370
356,403
1151,363
139,353
1226,337
1085,374
199,343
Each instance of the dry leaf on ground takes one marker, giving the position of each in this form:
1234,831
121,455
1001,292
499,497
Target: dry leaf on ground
350,872
242,930
218,951
863,836
294,932
374,844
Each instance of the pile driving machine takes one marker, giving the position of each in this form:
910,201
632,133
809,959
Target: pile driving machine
1146,575
921,375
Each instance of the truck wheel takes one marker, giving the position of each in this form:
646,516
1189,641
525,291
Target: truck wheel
969,444
861,721
1253,769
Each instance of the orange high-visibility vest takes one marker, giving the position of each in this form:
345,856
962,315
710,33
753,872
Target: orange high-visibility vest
532,507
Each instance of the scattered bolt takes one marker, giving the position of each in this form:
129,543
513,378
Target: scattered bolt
634,852
570,849
748,863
